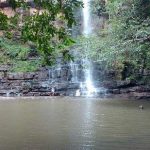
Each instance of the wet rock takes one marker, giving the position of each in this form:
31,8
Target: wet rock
125,84
26,85
109,84
20,76
116,91
73,86
43,75
144,95
61,86
1,75
117,84
25,92
45,94
28,94
141,107
29,76
66,80
127,90
15,76
8,93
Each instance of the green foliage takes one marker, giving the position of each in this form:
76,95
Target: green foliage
14,50
26,66
18,56
130,27
48,28
98,7
126,38
3,21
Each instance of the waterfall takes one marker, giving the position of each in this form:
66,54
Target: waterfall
87,30
74,70
76,77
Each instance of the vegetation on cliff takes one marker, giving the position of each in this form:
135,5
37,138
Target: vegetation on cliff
47,29
124,41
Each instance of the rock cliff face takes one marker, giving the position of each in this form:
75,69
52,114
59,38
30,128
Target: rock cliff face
41,83
60,81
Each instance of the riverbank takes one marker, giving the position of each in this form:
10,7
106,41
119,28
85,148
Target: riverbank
106,97
128,89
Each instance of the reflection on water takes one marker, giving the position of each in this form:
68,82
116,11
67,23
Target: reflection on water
74,124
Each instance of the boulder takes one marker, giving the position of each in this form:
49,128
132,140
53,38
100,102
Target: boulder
144,95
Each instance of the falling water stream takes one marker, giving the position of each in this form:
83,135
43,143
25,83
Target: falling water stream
87,31
80,71
87,28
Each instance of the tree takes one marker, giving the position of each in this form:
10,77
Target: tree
126,38
47,28
130,27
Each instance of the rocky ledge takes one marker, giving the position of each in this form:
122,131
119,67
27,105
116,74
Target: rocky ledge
42,83
128,89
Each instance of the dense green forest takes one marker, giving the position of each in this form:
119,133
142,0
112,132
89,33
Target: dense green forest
122,43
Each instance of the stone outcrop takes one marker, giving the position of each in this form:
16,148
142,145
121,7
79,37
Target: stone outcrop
38,83
61,81
128,89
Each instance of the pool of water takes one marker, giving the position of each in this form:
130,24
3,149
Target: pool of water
74,124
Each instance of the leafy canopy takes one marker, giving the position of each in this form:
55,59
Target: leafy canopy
125,38
48,27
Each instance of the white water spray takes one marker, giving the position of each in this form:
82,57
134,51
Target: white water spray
87,30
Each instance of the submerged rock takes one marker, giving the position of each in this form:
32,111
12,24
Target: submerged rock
141,107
